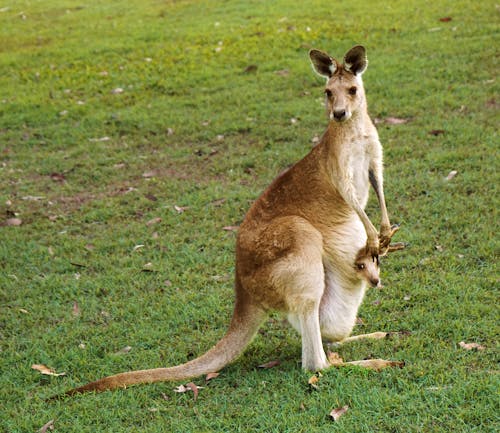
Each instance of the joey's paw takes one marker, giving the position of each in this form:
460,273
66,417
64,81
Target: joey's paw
385,236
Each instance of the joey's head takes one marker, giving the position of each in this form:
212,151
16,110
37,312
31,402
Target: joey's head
367,268
344,88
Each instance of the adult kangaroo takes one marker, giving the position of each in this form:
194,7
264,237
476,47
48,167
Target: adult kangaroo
304,245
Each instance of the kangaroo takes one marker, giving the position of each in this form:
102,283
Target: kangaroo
306,247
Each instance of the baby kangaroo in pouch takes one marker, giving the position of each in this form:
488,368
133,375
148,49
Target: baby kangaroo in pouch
306,246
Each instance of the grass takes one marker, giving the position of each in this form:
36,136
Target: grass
203,122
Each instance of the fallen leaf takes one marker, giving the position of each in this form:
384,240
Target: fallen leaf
211,376
170,131
314,380
14,222
471,346
250,69
334,358
151,197
451,174
396,120
149,174
117,91
181,209
153,221
29,198
218,202
94,140
335,414
47,426
137,247
445,19
46,370
282,72
231,228
376,364
189,387
124,350
24,311
76,309
58,177
439,248
193,388
437,132
270,364
148,267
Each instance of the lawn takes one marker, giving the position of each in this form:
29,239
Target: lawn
134,135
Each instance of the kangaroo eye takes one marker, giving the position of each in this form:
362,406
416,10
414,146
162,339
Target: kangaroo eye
328,93
360,266
353,90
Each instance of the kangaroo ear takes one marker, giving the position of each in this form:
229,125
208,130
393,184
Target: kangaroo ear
355,60
322,63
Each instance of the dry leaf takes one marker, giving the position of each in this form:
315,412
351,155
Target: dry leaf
334,358
46,370
335,414
14,222
76,309
471,346
270,364
313,381
58,177
218,202
47,426
445,19
181,209
451,174
153,221
193,388
24,311
211,376
251,69
189,387
437,132
376,364
124,350
231,228
95,140
117,91
282,72
396,120
149,174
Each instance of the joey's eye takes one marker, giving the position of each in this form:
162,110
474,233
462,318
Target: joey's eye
328,93
353,90
360,266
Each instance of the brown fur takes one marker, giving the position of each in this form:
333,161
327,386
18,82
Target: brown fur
298,245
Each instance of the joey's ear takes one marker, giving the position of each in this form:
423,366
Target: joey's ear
355,60
322,63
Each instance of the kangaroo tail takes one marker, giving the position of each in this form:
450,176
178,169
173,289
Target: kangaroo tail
244,325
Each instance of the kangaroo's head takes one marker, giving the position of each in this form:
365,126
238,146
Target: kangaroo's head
344,88
367,268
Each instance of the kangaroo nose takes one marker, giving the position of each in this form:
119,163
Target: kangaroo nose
339,114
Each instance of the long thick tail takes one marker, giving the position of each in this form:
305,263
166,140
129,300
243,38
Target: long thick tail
244,325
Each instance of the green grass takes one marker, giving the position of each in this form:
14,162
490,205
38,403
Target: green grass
182,66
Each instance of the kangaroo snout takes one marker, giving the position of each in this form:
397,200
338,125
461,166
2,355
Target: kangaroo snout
340,115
